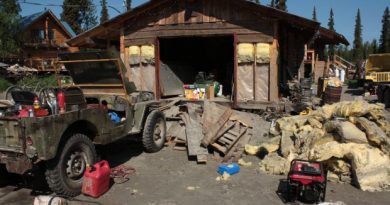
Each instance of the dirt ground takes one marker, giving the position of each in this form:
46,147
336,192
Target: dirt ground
170,178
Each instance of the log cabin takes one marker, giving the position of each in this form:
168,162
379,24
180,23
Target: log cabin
251,49
44,36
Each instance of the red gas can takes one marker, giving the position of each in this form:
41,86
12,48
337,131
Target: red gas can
96,179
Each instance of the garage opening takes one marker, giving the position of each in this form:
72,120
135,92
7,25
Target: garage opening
192,58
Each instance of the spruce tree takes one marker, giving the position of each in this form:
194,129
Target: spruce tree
331,27
272,4
128,5
9,27
104,15
281,5
79,14
357,52
384,41
374,45
314,14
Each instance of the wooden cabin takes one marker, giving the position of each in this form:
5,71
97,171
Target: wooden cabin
44,36
250,49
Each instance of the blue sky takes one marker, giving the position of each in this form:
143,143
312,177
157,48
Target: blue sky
344,10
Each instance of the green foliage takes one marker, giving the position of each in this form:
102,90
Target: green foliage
37,82
384,42
331,27
9,27
357,53
128,5
4,84
104,15
314,14
281,5
79,14
272,4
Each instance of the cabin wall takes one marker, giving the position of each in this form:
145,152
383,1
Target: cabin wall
205,18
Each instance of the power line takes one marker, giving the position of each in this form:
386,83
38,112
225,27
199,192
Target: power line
59,5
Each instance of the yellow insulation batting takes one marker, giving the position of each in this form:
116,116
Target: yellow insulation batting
245,52
147,51
134,50
262,53
134,54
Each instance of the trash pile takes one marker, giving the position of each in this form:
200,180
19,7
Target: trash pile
212,128
351,138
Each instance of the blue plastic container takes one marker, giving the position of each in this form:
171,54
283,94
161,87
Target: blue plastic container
114,117
231,169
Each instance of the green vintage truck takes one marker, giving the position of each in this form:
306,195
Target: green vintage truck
101,107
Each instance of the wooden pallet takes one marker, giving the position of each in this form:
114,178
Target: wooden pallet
229,138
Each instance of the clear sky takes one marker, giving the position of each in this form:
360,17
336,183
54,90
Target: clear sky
344,11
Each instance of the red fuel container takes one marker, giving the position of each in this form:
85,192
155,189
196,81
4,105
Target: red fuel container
97,179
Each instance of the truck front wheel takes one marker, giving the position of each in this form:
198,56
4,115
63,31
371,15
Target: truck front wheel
154,134
64,173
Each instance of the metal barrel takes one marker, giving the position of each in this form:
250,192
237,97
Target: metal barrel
332,95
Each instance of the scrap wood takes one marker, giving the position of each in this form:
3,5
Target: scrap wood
211,135
194,134
236,151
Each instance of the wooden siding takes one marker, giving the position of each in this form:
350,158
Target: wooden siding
199,18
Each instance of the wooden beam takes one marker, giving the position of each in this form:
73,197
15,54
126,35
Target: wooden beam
274,66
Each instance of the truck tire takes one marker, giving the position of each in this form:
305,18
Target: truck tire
386,98
154,134
64,174
380,91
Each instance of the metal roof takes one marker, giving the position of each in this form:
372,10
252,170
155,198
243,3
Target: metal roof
26,21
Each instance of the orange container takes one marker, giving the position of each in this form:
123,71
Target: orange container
97,179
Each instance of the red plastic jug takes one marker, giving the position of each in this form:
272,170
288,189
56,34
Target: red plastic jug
97,179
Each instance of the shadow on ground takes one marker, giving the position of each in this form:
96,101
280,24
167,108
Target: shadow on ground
355,92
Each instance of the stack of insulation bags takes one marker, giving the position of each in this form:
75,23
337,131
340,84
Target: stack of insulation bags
351,138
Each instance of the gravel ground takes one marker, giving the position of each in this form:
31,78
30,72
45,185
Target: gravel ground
170,178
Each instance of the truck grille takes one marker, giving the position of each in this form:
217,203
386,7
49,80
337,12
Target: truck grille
383,77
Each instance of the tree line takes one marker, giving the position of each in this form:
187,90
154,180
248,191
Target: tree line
360,50
81,16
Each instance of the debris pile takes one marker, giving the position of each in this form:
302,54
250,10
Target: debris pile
351,138
211,127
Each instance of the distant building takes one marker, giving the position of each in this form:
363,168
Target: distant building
44,36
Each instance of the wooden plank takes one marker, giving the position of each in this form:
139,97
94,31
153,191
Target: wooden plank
194,134
219,147
273,80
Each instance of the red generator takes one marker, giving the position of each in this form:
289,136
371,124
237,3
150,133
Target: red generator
306,181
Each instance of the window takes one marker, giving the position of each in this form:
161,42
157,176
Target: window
51,34
38,35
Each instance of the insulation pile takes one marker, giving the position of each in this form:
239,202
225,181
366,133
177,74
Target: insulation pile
352,139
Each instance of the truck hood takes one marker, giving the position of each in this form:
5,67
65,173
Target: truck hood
95,72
